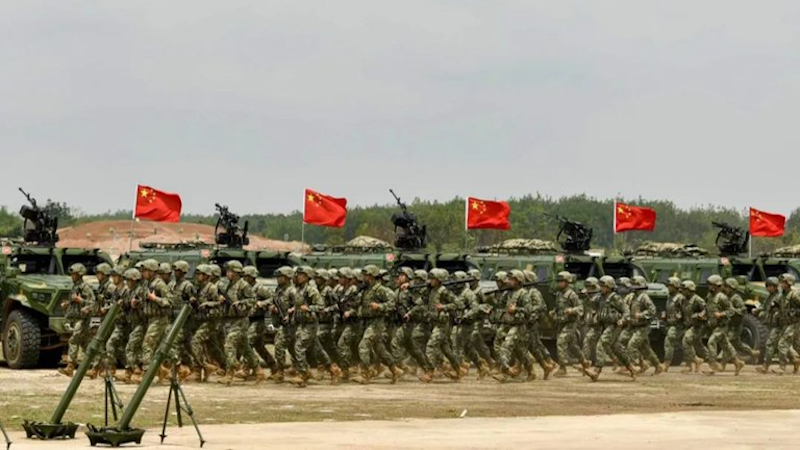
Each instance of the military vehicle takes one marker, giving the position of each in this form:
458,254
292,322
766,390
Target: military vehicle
33,283
571,252
229,240
409,249
688,261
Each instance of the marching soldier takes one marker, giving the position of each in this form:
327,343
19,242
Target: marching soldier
325,332
239,298
377,303
257,333
104,297
567,314
157,310
281,301
115,346
443,305
591,328
351,332
642,312
513,320
133,305
78,309
731,289
694,352
538,310
611,315
791,319
719,310
674,316
182,291
770,312
207,316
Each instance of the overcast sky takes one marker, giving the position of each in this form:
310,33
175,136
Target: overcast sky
247,103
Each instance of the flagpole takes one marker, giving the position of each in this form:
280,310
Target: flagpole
303,219
466,228
133,218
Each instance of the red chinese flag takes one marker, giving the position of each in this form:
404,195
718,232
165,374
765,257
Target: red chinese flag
324,210
628,218
155,205
487,214
764,224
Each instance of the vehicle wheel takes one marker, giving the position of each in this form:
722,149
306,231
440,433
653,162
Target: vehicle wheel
754,334
21,340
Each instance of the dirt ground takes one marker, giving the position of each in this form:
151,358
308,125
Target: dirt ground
34,395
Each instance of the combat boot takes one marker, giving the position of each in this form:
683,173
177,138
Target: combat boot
561,372
184,372
592,374
277,376
644,367
227,379
261,376
796,364
688,369
631,372
196,375
531,373
67,371
163,373
93,373
503,376
755,355
300,380
483,370
321,370
713,368
397,374
426,377
763,369
738,364
549,367
698,363
661,368
125,377
666,365
780,370
335,372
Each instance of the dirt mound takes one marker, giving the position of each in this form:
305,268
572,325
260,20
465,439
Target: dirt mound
114,237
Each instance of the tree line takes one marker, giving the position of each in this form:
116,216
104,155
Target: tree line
445,222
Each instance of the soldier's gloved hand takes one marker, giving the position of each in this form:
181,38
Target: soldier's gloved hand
274,309
151,296
76,298
374,306
404,286
304,308
439,307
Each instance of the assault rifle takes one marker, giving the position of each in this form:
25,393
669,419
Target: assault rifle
507,288
444,283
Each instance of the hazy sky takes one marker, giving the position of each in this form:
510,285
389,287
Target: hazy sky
247,103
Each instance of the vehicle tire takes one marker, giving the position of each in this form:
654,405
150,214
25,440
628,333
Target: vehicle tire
754,334
21,340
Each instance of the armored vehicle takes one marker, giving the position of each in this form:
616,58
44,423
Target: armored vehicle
33,284
688,261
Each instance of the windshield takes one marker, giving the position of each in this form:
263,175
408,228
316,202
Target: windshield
618,270
776,270
453,266
38,264
749,271
268,266
90,261
581,270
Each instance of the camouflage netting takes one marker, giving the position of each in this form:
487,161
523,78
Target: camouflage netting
367,244
670,249
792,251
530,246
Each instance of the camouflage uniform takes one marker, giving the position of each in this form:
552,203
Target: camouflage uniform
612,314
305,322
157,310
538,310
737,320
257,333
207,316
568,312
350,325
592,329
402,341
717,302
240,300
325,347
216,345
78,311
183,291
480,314
625,290
770,313
115,346
695,312
443,305
105,296
372,348
465,323
513,321
642,312
791,319
133,305
676,323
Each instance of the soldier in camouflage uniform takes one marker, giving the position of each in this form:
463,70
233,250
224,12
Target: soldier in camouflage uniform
351,332
257,333
377,303
183,291
78,310
642,312
207,316
307,304
591,328
676,321
514,319
465,323
443,305
694,352
791,318
567,314
538,310
216,350
625,290
104,297
406,299
731,289
240,300
157,309
115,346
719,310
611,315
325,347
480,317
133,306
770,313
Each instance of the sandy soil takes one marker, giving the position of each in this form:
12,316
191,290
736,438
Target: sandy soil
114,236
704,430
